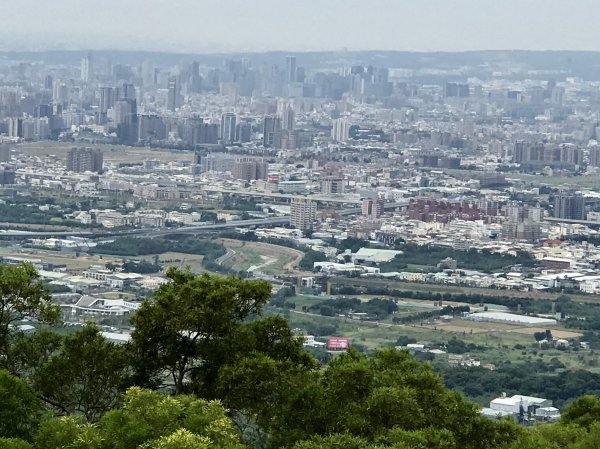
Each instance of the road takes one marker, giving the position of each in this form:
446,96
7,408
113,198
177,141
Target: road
181,230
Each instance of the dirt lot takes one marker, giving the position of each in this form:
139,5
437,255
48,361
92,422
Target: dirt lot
555,332
255,252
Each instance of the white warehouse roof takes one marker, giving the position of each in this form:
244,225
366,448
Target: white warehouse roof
511,318
375,255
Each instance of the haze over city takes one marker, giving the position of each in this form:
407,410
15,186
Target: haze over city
259,224
310,25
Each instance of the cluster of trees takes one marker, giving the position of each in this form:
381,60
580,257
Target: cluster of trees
309,259
513,303
538,378
142,267
30,214
137,246
205,370
375,308
232,202
430,314
471,260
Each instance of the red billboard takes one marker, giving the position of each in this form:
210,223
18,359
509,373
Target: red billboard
338,344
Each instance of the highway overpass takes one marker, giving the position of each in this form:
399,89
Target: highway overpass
154,232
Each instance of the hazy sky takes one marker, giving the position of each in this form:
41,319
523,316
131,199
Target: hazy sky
256,25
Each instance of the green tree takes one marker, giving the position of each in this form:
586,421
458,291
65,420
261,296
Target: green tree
14,443
366,397
183,329
29,352
86,376
19,407
66,432
151,419
583,411
180,439
22,295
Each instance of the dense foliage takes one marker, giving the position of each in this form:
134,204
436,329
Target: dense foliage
479,260
136,246
31,214
309,259
375,309
205,370
541,379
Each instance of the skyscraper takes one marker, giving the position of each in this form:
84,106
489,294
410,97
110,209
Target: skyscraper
87,68
174,96
195,80
107,101
340,132
148,74
569,206
128,92
228,128
291,69
271,125
303,213
289,119
4,153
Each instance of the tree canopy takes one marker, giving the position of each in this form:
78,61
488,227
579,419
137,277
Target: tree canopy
204,369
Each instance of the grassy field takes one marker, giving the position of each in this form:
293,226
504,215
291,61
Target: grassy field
274,259
495,342
453,289
590,182
112,153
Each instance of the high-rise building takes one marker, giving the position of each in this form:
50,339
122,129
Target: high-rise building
85,159
206,133
228,128
289,119
249,169
4,153
87,68
271,125
151,127
569,206
290,64
174,95
48,82
340,132
195,80
373,208
128,92
456,90
148,74
243,132
303,213
332,185
594,156
7,176
522,223
216,162
15,127
107,101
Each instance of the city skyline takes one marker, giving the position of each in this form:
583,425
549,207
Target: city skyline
202,27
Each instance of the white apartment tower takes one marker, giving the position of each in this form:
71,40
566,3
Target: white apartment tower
304,213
